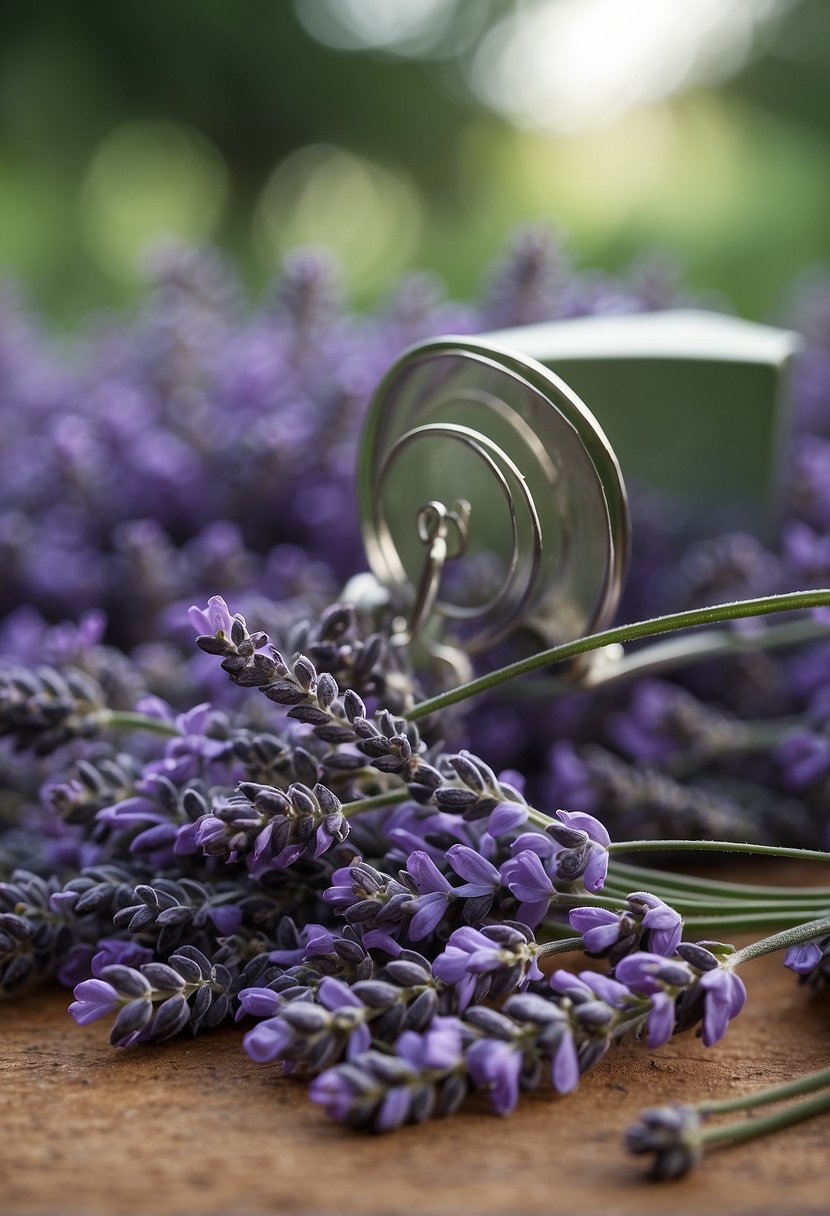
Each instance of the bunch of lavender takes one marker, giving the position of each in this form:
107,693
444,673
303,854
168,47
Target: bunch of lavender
286,826
384,919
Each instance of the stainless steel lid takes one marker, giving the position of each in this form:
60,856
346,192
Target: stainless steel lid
545,543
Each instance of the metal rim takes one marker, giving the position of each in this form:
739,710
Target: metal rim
388,423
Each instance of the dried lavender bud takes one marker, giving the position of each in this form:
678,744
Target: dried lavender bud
672,1134
811,962
156,1001
42,709
271,828
91,785
169,910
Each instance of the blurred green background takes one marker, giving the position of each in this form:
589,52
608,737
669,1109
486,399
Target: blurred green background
413,133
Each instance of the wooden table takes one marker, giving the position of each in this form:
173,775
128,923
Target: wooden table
194,1127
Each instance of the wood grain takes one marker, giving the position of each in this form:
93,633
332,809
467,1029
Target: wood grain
194,1127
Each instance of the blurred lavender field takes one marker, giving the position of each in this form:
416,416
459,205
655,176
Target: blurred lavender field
206,446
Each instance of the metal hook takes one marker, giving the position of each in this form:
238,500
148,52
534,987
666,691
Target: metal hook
435,523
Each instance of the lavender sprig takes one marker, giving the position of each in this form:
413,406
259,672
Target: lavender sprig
157,1000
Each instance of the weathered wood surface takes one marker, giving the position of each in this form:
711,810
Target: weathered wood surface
194,1127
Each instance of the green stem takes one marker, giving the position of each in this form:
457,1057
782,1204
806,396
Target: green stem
740,922
802,897
671,653
780,941
350,809
774,1093
762,606
643,876
566,945
748,1129
128,720
715,846
735,907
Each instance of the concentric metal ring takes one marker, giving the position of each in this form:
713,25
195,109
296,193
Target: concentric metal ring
548,533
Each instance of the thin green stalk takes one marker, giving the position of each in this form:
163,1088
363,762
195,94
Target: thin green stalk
715,846
773,1093
671,653
565,945
780,941
129,720
740,922
762,606
801,896
748,1129
720,908
360,805
622,872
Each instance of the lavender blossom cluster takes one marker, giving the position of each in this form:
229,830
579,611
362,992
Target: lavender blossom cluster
380,924
252,829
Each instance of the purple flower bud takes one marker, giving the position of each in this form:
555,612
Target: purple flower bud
802,959
268,1040
528,881
482,877
506,817
600,927
93,999
216,619
259,1002
496,1066
725,997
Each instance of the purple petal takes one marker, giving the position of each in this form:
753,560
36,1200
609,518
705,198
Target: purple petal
608,990
469,864
451,965
565,1066
802,959
187,840
154,838
600,927
637,971
725,998
526,878
267,1041
227,920
425,874
431,909
495,1066
332,1092
585,823
410,1047
506,817
360,1040
395,1108
596,870
442,1043
660,1020
334,994
376,939
535,842
533,912
259,1002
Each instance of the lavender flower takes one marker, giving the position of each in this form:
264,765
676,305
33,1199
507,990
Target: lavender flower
424,1077
584,848
672,1134
502,956
811,962
156,1000
645,922
526,878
